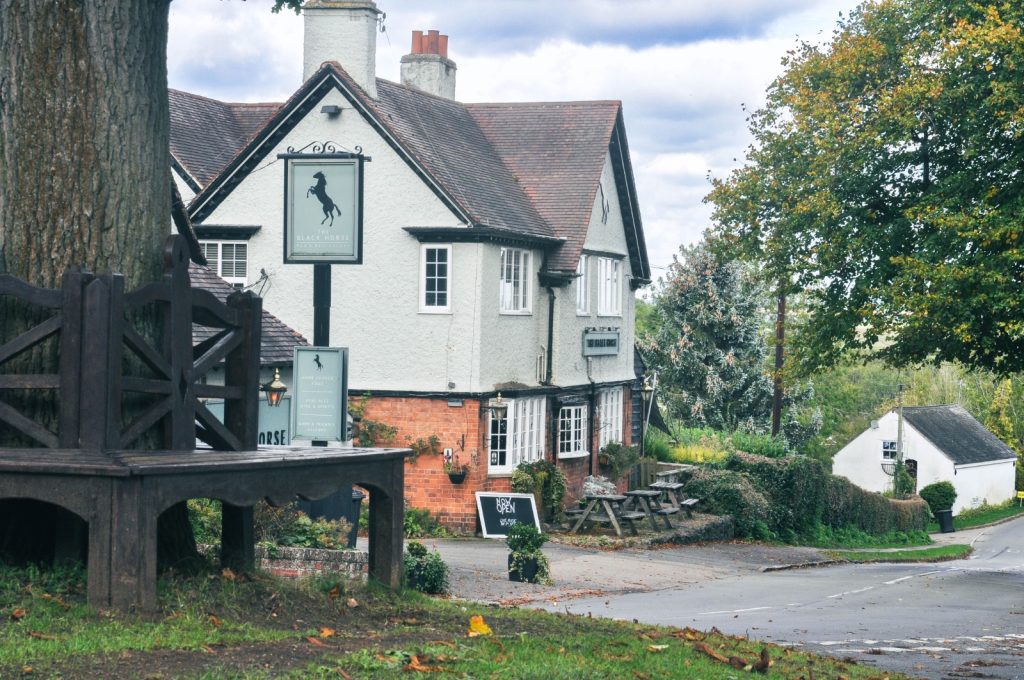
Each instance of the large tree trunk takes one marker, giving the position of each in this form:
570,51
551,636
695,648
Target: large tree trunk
84,172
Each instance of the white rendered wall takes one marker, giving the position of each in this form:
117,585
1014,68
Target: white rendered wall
375,308
990,483
570,365
183,188
347,36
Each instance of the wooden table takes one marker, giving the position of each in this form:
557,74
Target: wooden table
611,505
649,502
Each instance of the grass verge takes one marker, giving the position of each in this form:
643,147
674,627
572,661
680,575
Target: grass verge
986,514
939,554
219,625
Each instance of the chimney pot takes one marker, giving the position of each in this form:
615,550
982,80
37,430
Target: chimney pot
427,67
443,45
417,42
432,39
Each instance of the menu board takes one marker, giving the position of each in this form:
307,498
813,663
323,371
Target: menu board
320,401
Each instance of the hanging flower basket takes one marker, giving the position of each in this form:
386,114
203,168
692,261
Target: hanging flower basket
457,477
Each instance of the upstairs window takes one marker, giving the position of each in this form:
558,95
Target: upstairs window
228,259
609,291
582,287
572,431
435,279
515,281
610,413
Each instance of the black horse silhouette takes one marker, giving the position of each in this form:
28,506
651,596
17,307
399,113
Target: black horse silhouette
316,360
320,191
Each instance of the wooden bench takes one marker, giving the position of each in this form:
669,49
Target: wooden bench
688,504
671,490
88,466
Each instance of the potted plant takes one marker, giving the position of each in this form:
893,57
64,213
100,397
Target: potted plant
940,497
455,469
526,562
618,459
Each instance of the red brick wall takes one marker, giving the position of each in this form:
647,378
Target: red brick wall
426,484
462,429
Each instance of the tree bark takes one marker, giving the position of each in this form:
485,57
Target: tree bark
84,172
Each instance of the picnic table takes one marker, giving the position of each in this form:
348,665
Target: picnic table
607,509
649,502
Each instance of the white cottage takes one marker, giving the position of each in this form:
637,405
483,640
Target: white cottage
502,248
943,443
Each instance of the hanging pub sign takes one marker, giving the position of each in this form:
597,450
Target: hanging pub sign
320,402
323,207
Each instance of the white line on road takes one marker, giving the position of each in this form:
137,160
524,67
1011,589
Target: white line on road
851,592
733,611
897,580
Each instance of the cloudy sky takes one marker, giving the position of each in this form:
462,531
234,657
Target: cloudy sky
682,68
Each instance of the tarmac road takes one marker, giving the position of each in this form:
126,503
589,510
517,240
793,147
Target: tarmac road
948,620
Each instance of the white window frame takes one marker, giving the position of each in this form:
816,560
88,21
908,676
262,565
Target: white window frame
524,434
583,287
610,412
514,281
425,307
572,432
889,450
609,286
216,263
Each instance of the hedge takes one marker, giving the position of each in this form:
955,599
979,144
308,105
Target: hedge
792,496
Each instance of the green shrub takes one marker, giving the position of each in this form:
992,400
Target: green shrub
204,514
848,505
524,543
419,523
424,570
939,496
759,444
620,459
794,487
288,526
545,481
657,446
725,492
698,454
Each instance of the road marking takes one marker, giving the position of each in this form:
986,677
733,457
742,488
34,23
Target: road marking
851,592
897,580
733,611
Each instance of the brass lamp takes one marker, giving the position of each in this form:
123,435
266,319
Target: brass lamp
275,389
498,407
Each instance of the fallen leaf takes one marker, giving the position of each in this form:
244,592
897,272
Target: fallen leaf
478,627
313,641
701,647
27,670
656,648
342,673
334,593
41,636
326,632
18,614
421,665
215,621
54,598
766,662
352,603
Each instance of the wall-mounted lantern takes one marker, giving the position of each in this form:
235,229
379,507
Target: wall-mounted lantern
275,389
498,407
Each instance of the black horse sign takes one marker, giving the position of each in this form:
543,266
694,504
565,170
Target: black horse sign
323,208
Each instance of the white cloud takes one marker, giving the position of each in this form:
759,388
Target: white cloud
682,70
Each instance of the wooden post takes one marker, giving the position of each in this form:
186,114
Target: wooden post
386,520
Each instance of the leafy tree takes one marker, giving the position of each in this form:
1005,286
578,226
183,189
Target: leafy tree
709,350
885,181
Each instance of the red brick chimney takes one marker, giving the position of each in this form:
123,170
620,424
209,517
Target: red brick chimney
427,66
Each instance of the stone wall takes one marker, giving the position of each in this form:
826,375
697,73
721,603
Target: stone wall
299,562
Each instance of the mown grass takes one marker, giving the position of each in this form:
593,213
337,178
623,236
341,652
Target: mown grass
44,624
986,514
938,554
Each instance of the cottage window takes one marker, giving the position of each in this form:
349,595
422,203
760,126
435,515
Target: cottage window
610,416
572,431
888,450
518,435
582,287
515,281
435,279
609,287
228,259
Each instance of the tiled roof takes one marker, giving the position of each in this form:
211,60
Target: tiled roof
556,150
528,169
276,339
957,434
448,141
206,133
